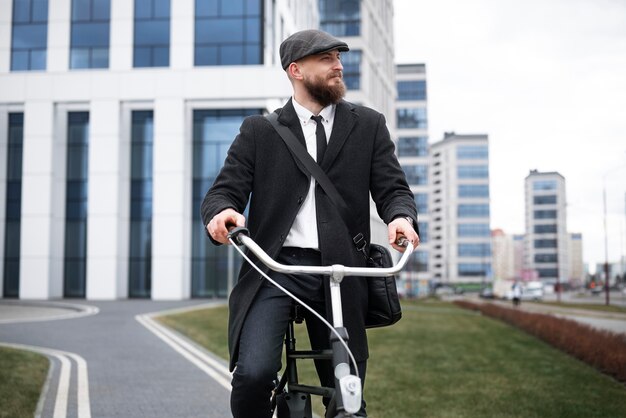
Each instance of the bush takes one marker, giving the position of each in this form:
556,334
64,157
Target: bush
604,350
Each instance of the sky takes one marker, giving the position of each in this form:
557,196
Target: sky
546,81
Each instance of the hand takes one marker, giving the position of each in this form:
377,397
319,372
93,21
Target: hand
401,227
219,225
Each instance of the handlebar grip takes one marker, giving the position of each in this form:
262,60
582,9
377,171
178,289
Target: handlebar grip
235,232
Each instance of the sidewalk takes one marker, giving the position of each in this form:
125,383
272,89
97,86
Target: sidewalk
106,363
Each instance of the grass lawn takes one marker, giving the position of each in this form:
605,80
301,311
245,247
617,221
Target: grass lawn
588,306
22,375
443,361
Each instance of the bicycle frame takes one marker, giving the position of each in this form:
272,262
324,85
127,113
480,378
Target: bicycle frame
347,386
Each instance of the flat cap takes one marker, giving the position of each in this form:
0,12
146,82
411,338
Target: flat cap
308,42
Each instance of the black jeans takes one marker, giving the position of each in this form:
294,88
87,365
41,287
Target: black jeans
263,332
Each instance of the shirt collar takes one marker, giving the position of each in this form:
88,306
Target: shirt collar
304,114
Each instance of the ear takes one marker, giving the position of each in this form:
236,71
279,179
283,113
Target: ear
295,71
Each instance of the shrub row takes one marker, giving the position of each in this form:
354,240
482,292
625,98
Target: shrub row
604,350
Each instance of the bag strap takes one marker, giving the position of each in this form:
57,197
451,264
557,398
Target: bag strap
322,179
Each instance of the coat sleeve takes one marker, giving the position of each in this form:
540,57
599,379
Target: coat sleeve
233,184
388,185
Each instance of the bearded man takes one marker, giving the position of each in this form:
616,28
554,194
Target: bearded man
294,221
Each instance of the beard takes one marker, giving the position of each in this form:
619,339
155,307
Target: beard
322,93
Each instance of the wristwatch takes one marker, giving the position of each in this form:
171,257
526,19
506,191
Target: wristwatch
408,218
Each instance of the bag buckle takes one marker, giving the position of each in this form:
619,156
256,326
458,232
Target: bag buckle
359,241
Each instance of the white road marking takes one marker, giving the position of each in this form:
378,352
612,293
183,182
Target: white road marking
63,387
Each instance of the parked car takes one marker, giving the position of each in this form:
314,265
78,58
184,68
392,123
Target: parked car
532,291
487,293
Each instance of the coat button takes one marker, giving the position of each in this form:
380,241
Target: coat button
300,200
282,238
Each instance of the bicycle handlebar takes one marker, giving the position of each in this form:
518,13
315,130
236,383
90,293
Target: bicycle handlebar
241,236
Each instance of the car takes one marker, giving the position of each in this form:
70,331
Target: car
487,293
532,291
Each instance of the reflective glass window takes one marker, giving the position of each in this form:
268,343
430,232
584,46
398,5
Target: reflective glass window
351,61
474,250
421,200
473,190
140,245
340,18
411,90
228,32
474,269
545,229
412,146
213,133
544,214
418,262
90,32
13,208
473,230
472,152
545,243
544,185
423,231
544,200
472,211
473,171
416,174
151,33
412,118
77,171
546,258
29,35
548,272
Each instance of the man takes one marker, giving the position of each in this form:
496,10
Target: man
293,220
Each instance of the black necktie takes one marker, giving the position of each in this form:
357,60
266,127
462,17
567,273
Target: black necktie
320,135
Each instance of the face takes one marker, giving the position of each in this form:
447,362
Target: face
322,77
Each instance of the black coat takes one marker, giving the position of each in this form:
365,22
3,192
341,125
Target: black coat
359,159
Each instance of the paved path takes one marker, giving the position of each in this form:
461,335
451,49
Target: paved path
130,366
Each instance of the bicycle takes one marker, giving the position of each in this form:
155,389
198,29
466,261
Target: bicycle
291,399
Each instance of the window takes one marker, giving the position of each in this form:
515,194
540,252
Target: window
29,35
90,33
547,272
545,229
411,90
544,185
411,118
228,32
351,61
416,174
412,146
544,214
13,208
473,211
421,201
472,152
544,200
473,230
473,190
474,250
140,254
423,231
152,33
75,266
340,18
418,262
546,258
545,243
473,171
213,132
474,269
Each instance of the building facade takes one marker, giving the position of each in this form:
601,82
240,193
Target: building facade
413,153
459,203
115,117
547,241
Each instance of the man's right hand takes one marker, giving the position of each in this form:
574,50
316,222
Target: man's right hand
218,227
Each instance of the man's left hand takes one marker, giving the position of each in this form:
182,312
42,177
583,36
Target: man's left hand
401,227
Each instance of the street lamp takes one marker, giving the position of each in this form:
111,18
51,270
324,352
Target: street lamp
606,239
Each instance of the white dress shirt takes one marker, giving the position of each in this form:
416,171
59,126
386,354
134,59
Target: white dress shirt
303,233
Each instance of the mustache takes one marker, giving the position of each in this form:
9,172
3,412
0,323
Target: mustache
336,74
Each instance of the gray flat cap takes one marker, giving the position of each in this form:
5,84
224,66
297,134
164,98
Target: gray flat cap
308,42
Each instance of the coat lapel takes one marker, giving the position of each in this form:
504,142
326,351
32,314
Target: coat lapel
289,118
345,118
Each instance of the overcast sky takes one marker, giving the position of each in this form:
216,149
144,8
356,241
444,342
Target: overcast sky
546,80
